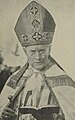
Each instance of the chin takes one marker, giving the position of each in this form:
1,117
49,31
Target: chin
38,67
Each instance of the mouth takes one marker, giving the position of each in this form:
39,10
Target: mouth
38,63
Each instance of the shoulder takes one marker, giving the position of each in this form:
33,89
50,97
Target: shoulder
17,78
61,80
55,70
56,76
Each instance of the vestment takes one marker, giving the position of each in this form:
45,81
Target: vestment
36,26
6,71
62,86
3,78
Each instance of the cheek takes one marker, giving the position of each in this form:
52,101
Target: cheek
45,55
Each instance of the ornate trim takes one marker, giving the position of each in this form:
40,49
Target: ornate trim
62,80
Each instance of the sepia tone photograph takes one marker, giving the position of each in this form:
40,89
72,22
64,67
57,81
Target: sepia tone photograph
37,57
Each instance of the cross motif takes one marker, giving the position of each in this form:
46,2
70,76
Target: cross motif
24,37
37,36
34,10
35,23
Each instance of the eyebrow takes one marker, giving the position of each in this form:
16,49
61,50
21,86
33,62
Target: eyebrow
37,50
41,49
33,50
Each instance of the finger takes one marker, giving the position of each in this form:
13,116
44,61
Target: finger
7,118
4,117
5,113
9,110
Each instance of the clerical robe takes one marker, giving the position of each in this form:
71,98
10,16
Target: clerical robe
58,89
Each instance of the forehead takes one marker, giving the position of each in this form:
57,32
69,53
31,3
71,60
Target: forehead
37,47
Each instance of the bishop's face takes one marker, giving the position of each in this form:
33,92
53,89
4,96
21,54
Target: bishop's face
38,55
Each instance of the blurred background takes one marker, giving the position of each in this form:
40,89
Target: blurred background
63,49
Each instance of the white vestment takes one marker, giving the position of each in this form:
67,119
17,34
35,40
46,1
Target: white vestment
64,91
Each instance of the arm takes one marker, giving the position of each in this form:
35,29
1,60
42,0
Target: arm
6,113
7,107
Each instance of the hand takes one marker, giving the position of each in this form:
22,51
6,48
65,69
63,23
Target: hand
60,117
8,114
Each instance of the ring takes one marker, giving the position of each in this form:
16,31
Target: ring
6,116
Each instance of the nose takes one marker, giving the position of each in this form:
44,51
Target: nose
37,56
